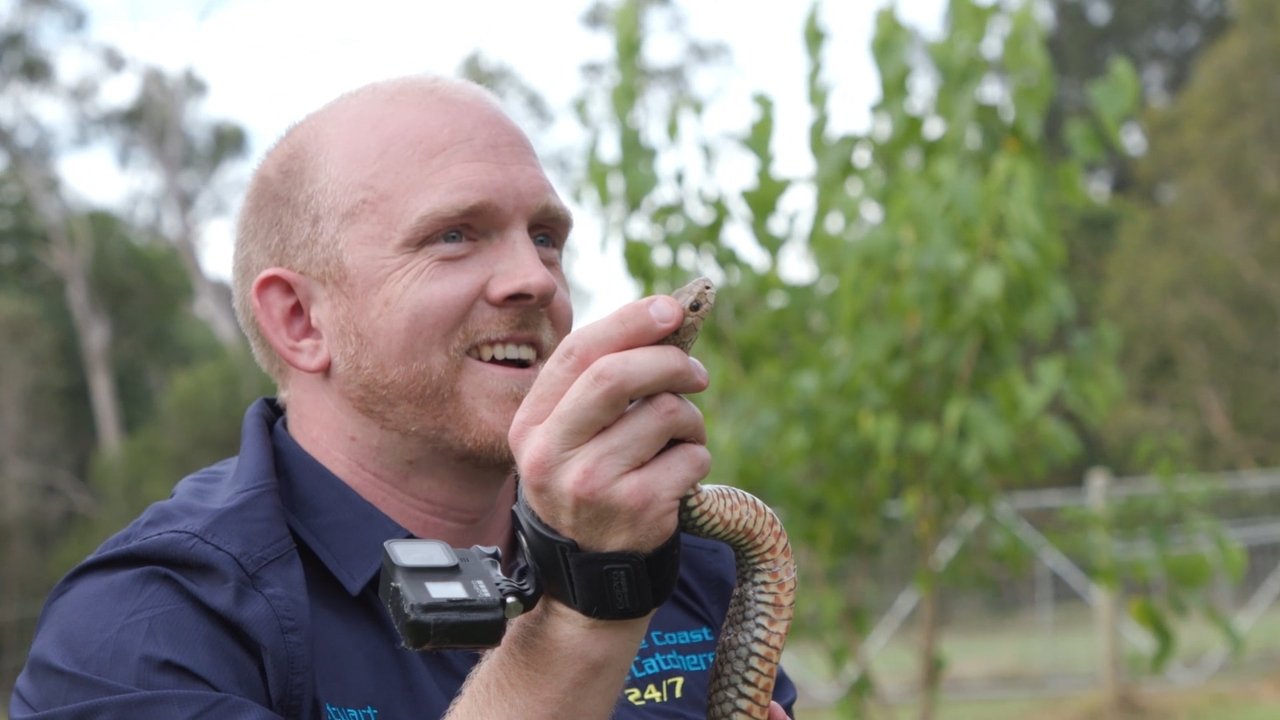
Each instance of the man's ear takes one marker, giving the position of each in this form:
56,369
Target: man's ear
284,303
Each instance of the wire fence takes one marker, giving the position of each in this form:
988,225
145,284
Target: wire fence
1024,613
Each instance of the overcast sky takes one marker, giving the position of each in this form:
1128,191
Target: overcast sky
269,62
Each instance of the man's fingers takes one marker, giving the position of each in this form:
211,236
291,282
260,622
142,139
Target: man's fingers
644,431
647,497
606,391
637,469
634,325
676,469
776,712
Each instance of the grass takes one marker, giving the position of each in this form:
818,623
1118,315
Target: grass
1255,698
1018,652
1018,648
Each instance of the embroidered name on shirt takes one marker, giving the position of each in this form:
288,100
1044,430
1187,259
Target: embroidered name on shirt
338,712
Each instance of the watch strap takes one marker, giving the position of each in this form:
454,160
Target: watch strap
617,585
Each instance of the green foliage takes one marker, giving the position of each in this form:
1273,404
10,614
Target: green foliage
181,392
61,409
141,282
1165,553
1191,282
1163,42
92,308
196,423
925,347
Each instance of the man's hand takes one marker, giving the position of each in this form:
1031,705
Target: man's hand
593,438
777,713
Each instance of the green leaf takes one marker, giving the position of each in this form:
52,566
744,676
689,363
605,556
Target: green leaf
1233,558
1235,640
1083,141
1151,617
639,258
922,437
1114,96
1030,73
1189,570
988,283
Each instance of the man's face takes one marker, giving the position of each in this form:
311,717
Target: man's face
455,294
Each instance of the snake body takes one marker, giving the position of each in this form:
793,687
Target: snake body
755,628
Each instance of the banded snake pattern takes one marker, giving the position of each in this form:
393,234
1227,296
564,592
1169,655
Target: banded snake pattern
755,628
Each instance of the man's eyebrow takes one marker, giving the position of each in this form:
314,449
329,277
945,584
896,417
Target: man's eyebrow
549,212
553,212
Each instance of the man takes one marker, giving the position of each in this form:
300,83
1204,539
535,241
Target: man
398,272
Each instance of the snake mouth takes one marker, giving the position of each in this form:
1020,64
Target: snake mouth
507,354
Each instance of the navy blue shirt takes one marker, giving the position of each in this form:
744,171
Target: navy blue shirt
252,593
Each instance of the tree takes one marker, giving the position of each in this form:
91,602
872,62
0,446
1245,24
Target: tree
1192,281
910,334
161,131
1162,41
30,145
94,323
37,488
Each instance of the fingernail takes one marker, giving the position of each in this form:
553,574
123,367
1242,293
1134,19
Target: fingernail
664,310
699,368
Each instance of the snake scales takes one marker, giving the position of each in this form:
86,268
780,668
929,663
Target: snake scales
755,628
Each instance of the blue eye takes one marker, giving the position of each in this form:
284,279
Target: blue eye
453,236
544,240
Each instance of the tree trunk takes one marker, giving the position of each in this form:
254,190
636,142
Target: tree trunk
930,666
169,148
93,330
210,300
70,255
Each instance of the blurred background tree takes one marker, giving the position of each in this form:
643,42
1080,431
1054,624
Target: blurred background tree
910,333
1192,281
112,387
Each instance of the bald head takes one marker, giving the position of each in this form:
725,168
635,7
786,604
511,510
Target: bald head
325,171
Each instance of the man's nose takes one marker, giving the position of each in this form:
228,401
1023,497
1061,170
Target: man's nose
521,275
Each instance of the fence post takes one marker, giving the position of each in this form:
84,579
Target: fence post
1097,482
1044,612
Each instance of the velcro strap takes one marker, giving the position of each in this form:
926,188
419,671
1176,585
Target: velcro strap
604,585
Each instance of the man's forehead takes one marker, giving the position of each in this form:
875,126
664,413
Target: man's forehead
421,115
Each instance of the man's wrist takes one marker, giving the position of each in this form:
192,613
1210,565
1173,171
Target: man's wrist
607,585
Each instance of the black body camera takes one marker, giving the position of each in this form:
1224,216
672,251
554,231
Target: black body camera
446,598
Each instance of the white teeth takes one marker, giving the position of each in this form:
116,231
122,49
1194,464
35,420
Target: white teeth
504,351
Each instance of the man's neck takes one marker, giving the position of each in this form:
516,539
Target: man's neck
429,492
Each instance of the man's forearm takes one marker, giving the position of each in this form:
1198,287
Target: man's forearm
553,663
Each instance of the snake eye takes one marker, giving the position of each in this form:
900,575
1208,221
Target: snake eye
695,306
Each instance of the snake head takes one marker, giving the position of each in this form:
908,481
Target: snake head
697,298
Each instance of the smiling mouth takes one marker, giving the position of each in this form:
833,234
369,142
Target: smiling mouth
516,355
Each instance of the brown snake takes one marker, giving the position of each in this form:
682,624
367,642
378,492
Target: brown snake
755,628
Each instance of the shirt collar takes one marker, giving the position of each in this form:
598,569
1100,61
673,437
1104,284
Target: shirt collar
343,529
